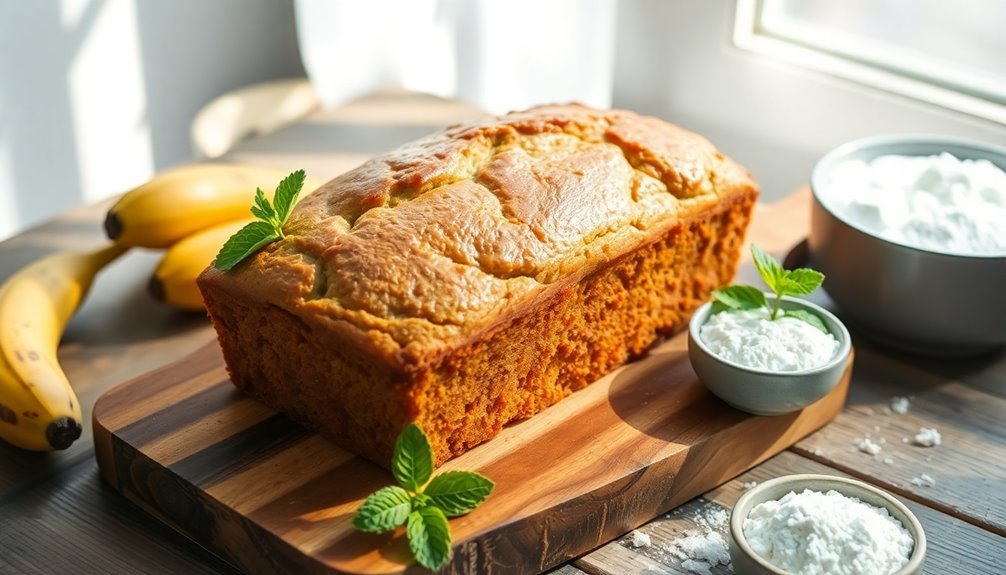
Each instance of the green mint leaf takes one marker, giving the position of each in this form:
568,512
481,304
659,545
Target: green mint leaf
429,537
384,510
252,237
286,194
809,317
412,463
458,492
262,209
420,500
768,267
802,281
244,243
740,297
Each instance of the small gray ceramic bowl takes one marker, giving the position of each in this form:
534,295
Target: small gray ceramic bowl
910,298
763,392
747,562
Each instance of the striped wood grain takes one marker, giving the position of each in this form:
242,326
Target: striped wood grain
273,497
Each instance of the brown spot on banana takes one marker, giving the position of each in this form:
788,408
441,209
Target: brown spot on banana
29,415
7,415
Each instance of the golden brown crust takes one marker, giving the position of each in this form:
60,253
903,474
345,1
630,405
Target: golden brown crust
429,242
414,259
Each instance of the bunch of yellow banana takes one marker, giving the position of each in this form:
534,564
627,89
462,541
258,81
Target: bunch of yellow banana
191,211
38,408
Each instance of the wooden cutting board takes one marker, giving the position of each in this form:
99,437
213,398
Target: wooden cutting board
270,496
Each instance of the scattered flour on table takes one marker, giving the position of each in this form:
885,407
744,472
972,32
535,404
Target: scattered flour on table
924,480
814,532
751,339
888,461
640,539
748,485
704,547
699,552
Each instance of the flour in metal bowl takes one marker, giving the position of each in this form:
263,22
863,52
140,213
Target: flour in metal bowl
938,203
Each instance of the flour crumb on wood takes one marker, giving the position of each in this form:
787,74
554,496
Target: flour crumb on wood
899,405
699,552
639,539
866,445
927,437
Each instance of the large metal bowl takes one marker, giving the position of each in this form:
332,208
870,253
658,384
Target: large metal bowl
911,298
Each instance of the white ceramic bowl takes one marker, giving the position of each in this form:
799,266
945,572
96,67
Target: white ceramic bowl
910,298
764,392
747,562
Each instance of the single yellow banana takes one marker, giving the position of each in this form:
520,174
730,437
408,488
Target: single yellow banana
174,279
38,408
179,202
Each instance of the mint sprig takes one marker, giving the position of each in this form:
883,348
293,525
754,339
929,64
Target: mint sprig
782,282
269,227
422,502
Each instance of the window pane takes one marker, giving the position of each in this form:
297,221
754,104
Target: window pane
958,45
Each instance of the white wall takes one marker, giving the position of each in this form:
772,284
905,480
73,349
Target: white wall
95,95
676,59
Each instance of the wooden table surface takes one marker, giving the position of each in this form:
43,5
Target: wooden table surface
57,517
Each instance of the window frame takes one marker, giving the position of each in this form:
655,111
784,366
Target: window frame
902,78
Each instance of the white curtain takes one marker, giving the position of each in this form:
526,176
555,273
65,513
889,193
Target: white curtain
498,54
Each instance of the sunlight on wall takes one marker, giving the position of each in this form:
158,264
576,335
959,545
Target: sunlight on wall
70,12
467,49
108,102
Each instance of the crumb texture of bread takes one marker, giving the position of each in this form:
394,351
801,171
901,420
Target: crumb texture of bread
475,277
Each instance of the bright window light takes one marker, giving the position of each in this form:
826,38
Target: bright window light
947,53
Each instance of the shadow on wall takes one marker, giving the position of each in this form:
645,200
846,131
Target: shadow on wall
97,94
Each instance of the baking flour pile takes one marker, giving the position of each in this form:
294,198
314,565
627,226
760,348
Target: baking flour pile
751,339
935,203
815,533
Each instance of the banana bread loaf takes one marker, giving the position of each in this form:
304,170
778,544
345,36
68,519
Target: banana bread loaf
475,277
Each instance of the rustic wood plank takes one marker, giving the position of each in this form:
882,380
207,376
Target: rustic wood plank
71,523
954,546
697,519
969,467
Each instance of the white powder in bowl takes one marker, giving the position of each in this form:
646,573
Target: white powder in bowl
937,203
813,533
751,339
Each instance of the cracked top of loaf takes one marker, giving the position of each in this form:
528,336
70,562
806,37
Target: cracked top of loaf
414,251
